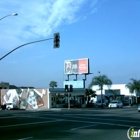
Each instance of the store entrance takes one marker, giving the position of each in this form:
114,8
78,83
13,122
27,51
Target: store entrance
60,100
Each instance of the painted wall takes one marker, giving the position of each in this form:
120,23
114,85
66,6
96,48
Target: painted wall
26,98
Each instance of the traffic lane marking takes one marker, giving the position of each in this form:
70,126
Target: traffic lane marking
25,138
76,121
20,117
78,117
83,127
7,117
102,123
71,116
33,123
101,119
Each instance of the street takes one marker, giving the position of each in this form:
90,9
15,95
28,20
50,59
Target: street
67,124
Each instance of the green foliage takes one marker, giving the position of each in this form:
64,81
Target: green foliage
4,83
53,84
101,80
114,93
134,86
91,92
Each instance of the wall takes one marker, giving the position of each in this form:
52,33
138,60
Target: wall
123,89
26,98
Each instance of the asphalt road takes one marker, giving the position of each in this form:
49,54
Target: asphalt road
68,124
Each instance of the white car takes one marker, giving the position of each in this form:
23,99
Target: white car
9,106
139,108
115,104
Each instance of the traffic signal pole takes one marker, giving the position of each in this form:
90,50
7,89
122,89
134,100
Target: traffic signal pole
24,45
56,44
67,90
68,100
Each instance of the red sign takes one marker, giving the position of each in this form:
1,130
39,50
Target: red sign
83,66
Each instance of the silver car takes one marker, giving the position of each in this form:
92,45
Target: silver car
115,104
139,108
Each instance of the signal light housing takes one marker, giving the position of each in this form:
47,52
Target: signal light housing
71,88
56,40
66,88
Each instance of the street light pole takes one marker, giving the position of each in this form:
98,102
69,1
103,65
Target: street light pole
13,14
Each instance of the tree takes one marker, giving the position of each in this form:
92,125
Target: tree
101,80
134,86
4,85
114,93
89,92
53,84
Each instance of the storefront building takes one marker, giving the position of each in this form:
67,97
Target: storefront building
118,90
32,98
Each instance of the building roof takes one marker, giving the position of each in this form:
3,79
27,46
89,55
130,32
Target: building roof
62,90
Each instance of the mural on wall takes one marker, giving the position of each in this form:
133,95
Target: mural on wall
25,98
10,97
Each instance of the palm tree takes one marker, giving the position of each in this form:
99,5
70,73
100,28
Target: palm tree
101,80
134,86
53,84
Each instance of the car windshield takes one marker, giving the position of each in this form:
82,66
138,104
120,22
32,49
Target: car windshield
9,104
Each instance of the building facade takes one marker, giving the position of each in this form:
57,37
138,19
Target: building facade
118,90
32,98
27,98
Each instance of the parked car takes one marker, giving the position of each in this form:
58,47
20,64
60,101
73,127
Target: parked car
139,108
115,104
74,103
9,106
99,103
126,102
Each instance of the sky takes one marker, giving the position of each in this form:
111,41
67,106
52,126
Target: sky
105,31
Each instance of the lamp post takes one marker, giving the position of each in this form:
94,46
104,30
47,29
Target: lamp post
13,14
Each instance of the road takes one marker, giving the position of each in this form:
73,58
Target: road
68,124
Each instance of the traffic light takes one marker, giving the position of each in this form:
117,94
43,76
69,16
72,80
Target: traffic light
71,88
56,40
66,88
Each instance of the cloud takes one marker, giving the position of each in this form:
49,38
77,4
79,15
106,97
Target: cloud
36,19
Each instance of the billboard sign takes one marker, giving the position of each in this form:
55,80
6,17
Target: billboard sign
78,66
76,84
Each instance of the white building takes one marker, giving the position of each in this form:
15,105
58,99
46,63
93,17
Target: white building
120,90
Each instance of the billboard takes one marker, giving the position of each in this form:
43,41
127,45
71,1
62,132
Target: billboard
76,84
77,66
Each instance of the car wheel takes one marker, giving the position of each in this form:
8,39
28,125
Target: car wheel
8,108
